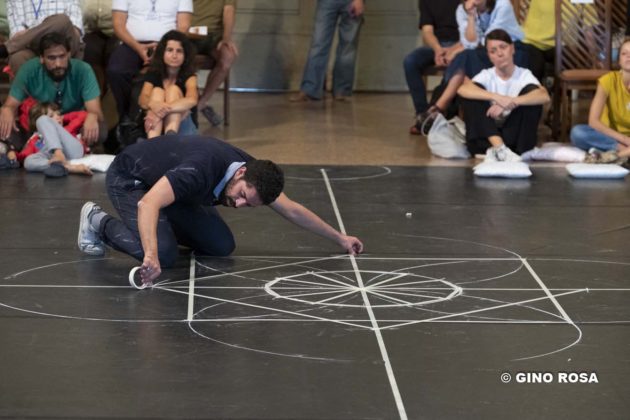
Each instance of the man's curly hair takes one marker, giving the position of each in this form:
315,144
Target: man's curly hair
266,177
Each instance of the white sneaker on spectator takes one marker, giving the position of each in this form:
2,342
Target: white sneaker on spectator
88,239
505,154
491,155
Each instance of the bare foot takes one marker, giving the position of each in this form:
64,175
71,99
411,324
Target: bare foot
80,169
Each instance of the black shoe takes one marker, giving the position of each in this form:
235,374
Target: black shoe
56,170
4,53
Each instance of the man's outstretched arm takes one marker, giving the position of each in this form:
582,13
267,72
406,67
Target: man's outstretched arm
305,218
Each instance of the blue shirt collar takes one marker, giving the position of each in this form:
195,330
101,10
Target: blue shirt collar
231,170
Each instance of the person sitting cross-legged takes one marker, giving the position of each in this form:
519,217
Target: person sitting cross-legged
502,105
607,135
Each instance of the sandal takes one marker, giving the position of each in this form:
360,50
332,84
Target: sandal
212,117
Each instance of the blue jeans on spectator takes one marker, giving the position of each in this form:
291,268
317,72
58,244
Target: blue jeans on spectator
415,64
584,137
187,126
329,13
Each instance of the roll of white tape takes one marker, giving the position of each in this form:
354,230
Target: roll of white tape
132,280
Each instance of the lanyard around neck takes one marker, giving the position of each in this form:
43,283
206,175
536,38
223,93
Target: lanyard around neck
37,9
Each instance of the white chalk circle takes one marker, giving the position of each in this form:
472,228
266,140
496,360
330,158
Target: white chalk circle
393,290
346,174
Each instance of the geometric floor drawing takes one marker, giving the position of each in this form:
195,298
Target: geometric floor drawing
527,310
244,293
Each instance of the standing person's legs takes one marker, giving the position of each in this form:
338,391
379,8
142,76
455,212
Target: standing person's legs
223,59
201,228
123,234
520,129
98,49
25,46
346,55
315,69
123,65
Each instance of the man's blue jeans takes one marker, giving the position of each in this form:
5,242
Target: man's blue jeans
328,15
415,64
584,137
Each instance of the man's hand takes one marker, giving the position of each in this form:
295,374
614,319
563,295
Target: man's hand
356,8
143,52
229,44
90,129
150,269
351,244
7,122
440,57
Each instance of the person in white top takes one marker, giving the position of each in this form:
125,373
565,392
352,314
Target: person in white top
502,105
139,25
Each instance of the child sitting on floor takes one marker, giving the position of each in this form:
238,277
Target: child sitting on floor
53,142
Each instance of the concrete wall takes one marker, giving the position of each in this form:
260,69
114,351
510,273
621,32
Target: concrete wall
274,37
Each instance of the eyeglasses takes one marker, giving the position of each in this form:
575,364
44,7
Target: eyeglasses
58,97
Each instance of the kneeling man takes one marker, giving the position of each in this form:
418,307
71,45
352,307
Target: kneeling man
164,190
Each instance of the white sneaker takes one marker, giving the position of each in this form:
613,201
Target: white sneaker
505,154
491,155
88,240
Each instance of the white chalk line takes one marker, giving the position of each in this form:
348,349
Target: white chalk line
559,307
253,270
191,288
235,302
475,311
379,338
14,275
353,178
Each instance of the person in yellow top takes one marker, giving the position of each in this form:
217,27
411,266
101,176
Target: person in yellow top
608,128
540,35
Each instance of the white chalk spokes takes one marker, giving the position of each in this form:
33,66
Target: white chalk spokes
132,280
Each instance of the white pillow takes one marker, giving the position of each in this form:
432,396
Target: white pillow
555,152
98,163
503,170
596,170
